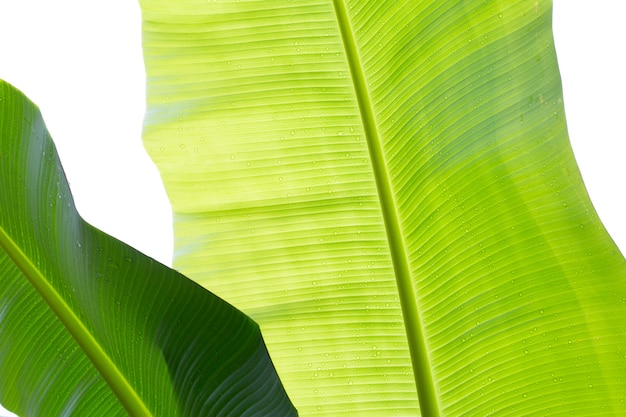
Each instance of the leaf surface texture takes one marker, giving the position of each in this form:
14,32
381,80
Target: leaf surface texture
368,179
91,327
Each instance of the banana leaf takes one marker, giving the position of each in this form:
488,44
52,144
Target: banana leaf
91,327
388,189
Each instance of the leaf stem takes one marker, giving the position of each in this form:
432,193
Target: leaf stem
429,406
118,383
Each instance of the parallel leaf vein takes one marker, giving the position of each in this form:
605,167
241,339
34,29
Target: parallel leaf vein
417,346
103,363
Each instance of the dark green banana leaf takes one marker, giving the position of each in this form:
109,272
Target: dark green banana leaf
388,189
91,327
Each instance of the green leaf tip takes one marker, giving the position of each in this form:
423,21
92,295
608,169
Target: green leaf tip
92,327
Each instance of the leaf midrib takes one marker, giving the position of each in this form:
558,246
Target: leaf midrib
126,394
408,300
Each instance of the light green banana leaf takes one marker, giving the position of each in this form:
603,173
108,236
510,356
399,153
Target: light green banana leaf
388,189
91,327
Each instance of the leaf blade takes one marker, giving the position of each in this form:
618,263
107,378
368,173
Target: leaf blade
308,192
128,315
106,367
481,224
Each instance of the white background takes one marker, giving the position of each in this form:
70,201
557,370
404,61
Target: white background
81,62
